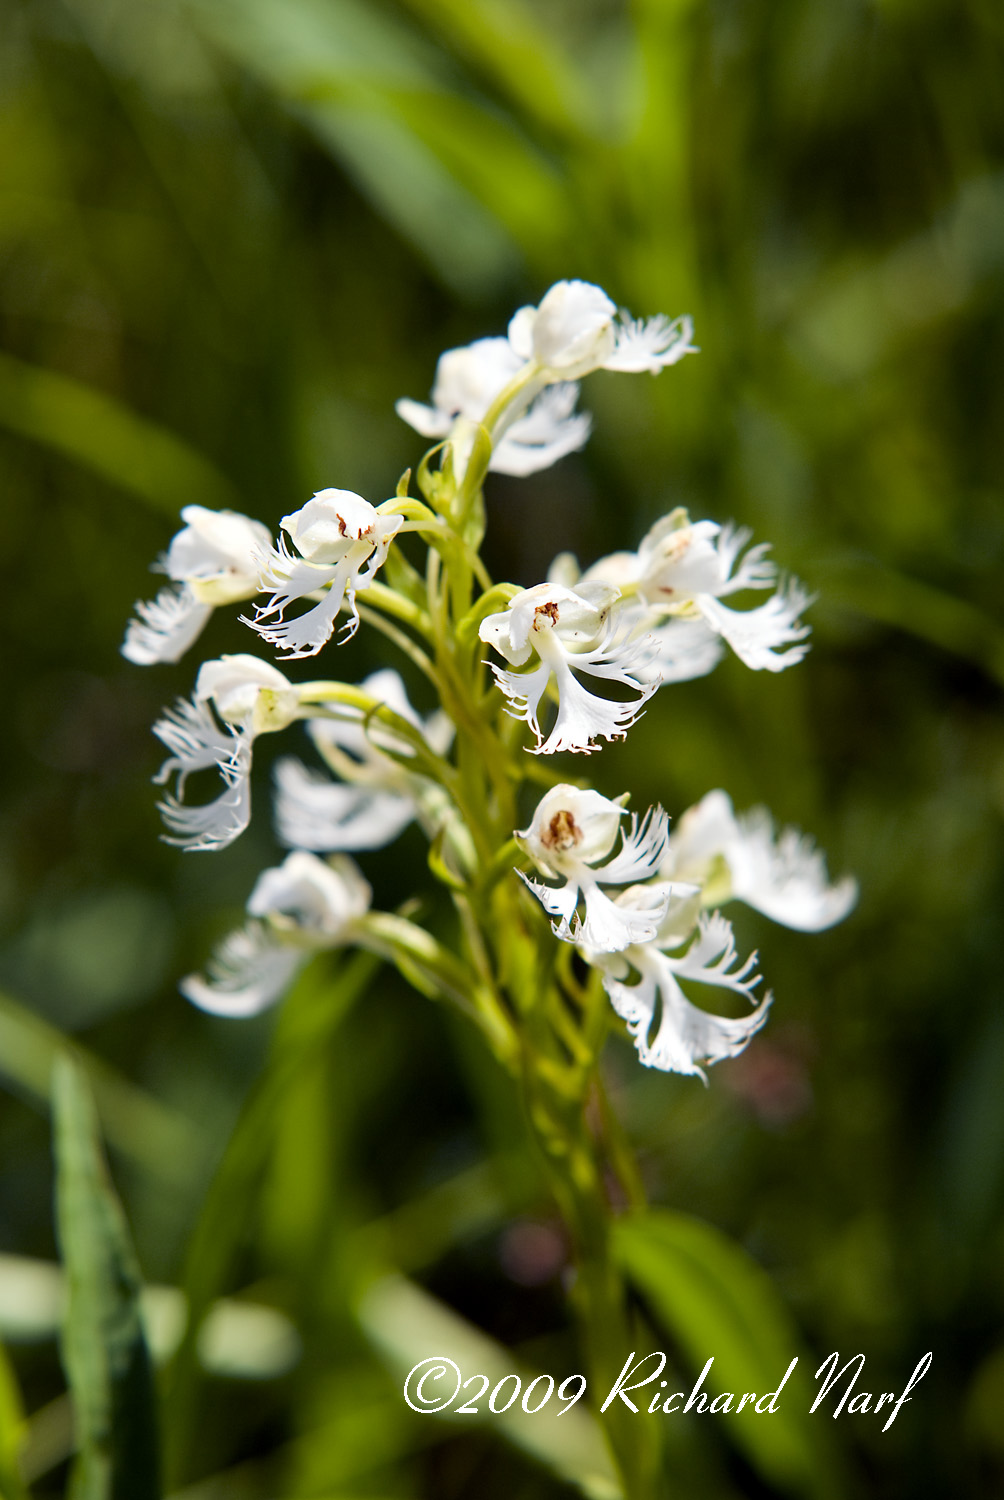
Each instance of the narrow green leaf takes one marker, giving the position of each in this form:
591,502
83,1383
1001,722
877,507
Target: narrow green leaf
504,40
156,1137
405,1325
892,598
333,65
12,1430
311,1014
104,1350
714,1300
99,432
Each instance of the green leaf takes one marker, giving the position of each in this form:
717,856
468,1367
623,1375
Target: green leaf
104,1350
159,1139
12,1429
890,597
336,66
405,1324
503,39
99,432
310,1016
716,1301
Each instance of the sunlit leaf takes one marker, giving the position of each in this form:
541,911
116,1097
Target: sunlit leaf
97,431
334,65
715,1301
407,1325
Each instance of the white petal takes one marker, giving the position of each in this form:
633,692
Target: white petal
705,832
757,635
686,1036
315,899
233,683
307,633
678,559
573,328
524,691
545,433
166,627
217,554
583,717
286,577
324,529
314,812
249,972
679,650
786,879
195,739
712,957
571,829
557,901
651,345
755,571
213,825
641,852
198,743
427,420
520,332
608,927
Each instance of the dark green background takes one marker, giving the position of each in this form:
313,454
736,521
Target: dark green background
231,233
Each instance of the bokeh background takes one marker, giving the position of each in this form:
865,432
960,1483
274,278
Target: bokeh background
232,232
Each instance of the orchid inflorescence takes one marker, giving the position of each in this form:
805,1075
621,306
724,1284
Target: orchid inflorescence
579,656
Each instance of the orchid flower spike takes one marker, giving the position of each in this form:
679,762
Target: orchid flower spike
467,383
577,329
342,541
298,909
684,569
250,697
571,832
569,631
743,859
211,561
689,945
377,797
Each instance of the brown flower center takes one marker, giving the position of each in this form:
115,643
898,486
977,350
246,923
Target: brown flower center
562,832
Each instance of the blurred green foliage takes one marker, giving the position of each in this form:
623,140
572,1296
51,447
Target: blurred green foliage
231,233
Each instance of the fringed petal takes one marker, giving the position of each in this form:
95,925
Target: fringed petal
786,878
686,1036
583,718
650,344
642,850
755,571
249,972
165,627
524,691
313,812
757,636
610,928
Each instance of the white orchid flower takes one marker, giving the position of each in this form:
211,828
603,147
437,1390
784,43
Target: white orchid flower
684,569
692,946
570,631
577,329
571,831
467,382
211,561
376,798
300,908
742,858
342,541
250,697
